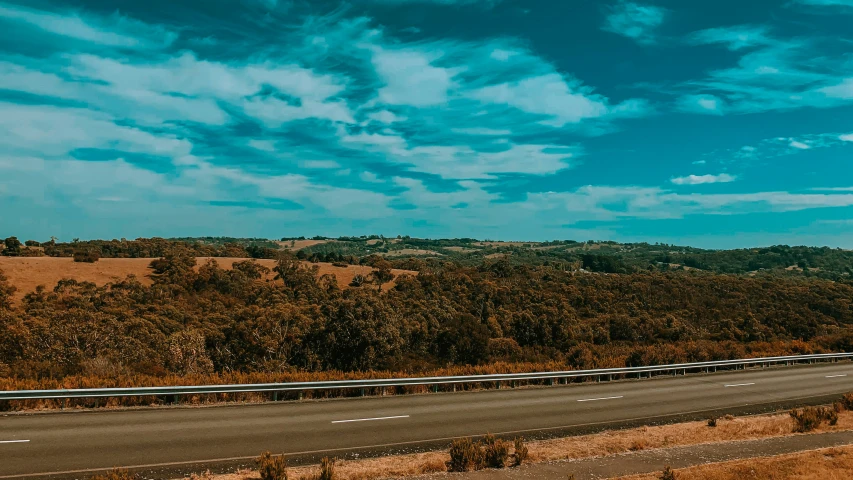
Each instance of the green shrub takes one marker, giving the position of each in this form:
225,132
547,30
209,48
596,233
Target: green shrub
87,256
668,473
272,467
465,456
712,422
495,452
327,469
521,451
115,474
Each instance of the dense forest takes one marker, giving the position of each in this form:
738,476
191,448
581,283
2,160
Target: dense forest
493,315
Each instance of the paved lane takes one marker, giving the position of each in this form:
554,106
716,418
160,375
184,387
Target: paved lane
67,442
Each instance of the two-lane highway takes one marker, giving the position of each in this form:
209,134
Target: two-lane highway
82,442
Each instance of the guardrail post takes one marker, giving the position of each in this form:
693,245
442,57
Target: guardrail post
274,396
362,392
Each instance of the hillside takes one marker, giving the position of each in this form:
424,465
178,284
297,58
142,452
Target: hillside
606,257
27,273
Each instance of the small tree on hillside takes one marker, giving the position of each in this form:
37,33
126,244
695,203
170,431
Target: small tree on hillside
13,247
382,273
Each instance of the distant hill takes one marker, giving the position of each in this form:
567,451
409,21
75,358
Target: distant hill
606,256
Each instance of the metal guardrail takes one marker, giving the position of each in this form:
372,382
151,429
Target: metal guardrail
396,382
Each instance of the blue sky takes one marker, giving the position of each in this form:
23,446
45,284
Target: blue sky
710,123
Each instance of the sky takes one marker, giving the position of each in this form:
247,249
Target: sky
712,123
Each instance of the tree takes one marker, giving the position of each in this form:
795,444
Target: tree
382,274
464,340
6,292
13,247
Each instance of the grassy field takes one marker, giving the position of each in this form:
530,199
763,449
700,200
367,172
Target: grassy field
26,273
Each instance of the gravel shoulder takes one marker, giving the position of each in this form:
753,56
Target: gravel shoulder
655,460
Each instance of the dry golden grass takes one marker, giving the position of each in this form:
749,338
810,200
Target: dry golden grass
409,251
584,446
824,464
26,273
461,249
295,245
504,244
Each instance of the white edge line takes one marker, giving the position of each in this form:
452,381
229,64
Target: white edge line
740,384
380,445
370,419
833,376
14,441
602,398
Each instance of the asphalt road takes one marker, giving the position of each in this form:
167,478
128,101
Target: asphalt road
188,439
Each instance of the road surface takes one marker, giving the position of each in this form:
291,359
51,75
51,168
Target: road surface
166,441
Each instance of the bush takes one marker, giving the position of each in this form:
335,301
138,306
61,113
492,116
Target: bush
496,452
88,256
667,474
358,280
847,401
809,418
712,422
465,456
521,451
327,469
115,474
272,467
340,264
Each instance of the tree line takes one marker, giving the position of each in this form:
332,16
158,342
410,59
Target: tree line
206,320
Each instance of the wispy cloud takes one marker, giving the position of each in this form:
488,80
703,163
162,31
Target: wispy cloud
826,3
115,31
703,179
635,21
771,73
734,38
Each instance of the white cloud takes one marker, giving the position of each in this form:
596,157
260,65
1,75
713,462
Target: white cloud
55,131
735,38
501,54
274,112
319,164
843,90
799,145
264,145
410,78
386,116
847,137
117,31
370,177
123,101
562,101
708,104
703,179
463,162
612,203
635,21
827,3
481,131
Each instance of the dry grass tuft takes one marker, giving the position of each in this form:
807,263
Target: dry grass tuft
825,464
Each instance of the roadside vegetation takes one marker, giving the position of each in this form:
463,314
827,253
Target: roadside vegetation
825,464
202,324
